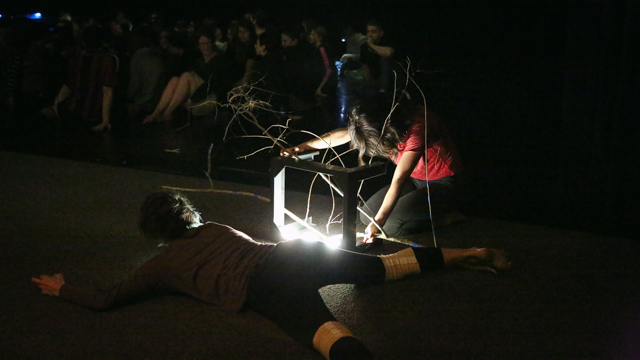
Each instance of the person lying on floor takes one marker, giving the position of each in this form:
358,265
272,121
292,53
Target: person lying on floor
226,268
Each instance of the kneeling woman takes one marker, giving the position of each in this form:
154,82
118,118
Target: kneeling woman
226,268
426,164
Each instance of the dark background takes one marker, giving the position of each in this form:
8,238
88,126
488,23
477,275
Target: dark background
542,95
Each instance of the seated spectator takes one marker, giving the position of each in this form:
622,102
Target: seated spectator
266,33
294,63
376,56
242,53
307,26
11,61
175,57
220,43
61,45
88,90
323,68
146,78
232,30
208,81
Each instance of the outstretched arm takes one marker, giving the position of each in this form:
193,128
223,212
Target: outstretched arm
332,138
144,281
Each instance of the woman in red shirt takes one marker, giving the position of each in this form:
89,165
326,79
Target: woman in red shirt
424,182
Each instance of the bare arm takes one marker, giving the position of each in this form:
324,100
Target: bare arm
63,94
143,282
383,51
107,101
401,174
333,138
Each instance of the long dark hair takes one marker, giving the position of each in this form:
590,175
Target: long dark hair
377,127
167,215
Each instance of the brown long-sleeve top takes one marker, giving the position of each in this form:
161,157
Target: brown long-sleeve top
211,263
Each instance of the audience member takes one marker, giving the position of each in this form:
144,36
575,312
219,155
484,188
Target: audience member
307,26
175,57
295,59
376,56
146,78
266,33
322,70
11,60
87,93
353,42
242,53
208,81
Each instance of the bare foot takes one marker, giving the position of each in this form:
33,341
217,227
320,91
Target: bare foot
150,118
486,257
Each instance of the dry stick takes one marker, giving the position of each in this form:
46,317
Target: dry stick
424,104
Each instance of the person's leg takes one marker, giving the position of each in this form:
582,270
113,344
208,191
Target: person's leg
187,84
284,289
165,99
413,211
373,204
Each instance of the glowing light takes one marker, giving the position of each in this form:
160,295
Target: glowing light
291,231
344,40
334,241
35,16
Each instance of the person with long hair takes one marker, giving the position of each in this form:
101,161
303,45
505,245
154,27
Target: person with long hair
226,268
317,38
242,53
423,189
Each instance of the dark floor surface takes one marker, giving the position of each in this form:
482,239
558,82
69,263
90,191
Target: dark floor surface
571,295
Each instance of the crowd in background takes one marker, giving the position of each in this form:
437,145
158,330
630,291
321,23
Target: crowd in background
144,71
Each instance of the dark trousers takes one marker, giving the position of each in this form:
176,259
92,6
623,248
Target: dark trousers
285,287
412,214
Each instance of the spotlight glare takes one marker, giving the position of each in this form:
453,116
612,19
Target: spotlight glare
334,241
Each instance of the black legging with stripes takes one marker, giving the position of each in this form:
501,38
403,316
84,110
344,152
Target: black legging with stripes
284,288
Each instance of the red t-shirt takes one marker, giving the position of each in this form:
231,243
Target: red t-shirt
441,153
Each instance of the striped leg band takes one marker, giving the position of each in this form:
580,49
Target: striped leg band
327,334
400,264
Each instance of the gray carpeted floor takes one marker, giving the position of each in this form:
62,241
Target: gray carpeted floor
571,295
